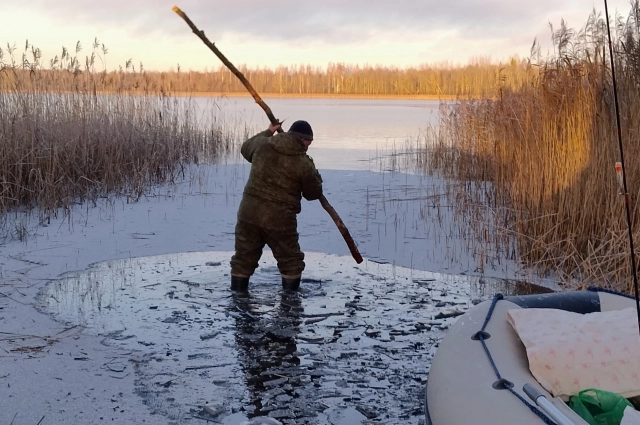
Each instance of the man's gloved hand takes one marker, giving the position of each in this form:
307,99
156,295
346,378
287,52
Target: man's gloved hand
273,128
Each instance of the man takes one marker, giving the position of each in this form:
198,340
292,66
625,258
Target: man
281,174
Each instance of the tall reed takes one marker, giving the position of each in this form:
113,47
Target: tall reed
61,143
541,158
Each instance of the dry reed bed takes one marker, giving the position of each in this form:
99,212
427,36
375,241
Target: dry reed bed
539,161
68,145
59,149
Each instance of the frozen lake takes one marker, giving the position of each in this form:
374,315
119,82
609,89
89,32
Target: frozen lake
119,311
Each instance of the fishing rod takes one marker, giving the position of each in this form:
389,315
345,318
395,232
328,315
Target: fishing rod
620,168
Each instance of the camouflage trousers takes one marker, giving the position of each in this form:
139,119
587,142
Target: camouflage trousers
251,239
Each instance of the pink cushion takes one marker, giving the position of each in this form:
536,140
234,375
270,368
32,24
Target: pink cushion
569,352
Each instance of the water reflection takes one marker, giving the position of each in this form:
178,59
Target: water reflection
483,287
267,351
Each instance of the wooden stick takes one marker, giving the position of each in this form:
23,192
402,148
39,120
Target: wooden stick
323,201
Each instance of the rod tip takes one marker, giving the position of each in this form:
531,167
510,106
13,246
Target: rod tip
175,9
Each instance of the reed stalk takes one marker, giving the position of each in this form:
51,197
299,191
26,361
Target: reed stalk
63,143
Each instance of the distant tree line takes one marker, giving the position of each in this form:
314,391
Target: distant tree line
339,79
67,72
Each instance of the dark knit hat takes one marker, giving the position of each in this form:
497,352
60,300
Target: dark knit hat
302,129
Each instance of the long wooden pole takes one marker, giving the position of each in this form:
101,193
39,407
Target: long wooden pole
323,201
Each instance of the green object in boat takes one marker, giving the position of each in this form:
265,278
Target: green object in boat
599,407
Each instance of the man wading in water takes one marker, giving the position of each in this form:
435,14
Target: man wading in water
281,174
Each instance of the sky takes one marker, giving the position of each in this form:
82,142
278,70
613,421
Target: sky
402,33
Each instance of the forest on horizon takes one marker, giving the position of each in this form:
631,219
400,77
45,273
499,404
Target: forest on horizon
27,71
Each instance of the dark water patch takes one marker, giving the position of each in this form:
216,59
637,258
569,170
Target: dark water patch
484,287
353,345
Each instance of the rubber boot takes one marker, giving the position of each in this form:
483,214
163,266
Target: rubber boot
239,284
290,284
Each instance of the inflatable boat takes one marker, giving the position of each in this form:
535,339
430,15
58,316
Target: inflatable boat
480,373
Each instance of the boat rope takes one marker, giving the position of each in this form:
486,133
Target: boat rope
481,336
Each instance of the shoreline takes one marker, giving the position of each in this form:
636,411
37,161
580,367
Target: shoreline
315,96
262,95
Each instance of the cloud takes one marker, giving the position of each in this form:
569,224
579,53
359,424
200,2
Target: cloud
329,21
274,32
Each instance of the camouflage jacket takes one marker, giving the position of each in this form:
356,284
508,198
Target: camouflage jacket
281,174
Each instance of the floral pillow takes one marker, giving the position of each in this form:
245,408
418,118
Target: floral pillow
569,352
